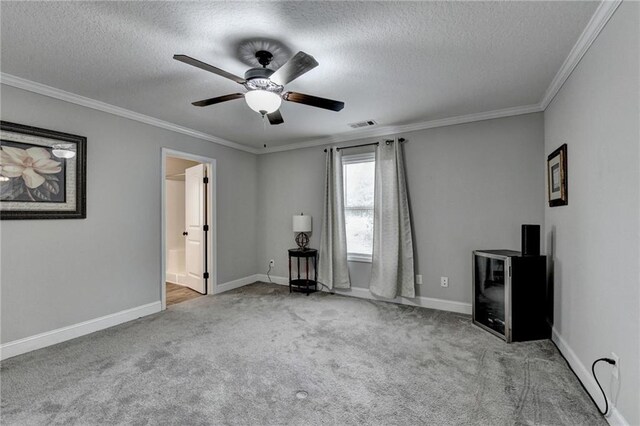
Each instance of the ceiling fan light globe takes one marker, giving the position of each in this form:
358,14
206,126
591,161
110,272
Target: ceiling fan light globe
262,100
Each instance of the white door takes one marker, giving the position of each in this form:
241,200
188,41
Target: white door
195,221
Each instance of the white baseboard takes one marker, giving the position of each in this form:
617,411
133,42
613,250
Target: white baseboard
614,418
60,335
63,334
274,279
179,279
39,341
364,293
241,282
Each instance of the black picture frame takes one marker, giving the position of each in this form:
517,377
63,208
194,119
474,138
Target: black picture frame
557,177
76,206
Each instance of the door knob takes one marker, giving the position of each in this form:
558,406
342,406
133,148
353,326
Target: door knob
185,233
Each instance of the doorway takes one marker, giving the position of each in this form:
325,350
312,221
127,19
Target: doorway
188,231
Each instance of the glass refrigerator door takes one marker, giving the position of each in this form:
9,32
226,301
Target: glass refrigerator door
490,292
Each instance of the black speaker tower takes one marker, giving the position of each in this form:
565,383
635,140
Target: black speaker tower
531,240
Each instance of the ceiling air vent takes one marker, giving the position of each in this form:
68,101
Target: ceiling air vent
360,124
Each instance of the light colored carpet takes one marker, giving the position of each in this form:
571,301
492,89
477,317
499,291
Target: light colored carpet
239,358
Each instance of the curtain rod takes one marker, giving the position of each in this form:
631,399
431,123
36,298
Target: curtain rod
388,141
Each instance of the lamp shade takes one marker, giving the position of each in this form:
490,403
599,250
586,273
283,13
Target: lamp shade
301,223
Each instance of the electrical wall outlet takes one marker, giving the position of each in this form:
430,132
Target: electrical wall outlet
615,371
444,281
418,279
272,263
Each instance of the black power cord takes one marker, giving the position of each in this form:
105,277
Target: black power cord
330,291
269,276
593,370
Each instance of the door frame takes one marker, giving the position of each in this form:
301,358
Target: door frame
212,265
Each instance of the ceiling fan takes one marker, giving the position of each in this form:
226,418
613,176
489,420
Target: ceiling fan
265,86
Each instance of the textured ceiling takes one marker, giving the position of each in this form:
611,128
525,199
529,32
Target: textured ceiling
393,62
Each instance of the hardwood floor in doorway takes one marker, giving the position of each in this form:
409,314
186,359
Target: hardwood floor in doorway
178,293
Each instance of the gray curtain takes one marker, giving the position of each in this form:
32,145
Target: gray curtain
332,263
392,272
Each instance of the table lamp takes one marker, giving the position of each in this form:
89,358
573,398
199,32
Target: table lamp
302,226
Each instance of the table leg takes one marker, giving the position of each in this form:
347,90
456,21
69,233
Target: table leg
289,273
308,287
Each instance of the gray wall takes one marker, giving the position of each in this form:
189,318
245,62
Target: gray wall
60,272
595,238
471,187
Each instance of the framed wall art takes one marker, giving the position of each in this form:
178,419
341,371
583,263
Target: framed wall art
42,173
557,177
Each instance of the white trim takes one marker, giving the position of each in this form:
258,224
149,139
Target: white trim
359,257
597,22
212,206
32,86
241,282
178,279
614,418
425,302
366,157
63,334
52,92
174,278
364,293
274,279
48,338
393,130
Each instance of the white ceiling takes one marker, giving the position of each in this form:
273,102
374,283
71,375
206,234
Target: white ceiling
394,62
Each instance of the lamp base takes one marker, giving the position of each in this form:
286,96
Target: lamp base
302,240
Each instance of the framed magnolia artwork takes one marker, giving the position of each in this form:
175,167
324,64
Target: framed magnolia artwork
557,177
42,173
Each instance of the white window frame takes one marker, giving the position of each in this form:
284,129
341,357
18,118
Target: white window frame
366,157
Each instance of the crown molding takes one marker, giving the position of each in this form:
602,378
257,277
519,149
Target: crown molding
42,89
597,22
595,25
52,92
406,128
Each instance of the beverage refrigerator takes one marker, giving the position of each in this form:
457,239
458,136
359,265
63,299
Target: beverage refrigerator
509,295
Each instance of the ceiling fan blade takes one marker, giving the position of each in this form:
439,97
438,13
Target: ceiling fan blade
199,64
275,118
211,101
294,68
314,101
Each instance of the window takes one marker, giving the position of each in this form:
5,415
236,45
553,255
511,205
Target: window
359,173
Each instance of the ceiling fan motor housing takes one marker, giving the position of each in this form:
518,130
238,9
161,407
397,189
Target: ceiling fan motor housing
258,73
258,79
